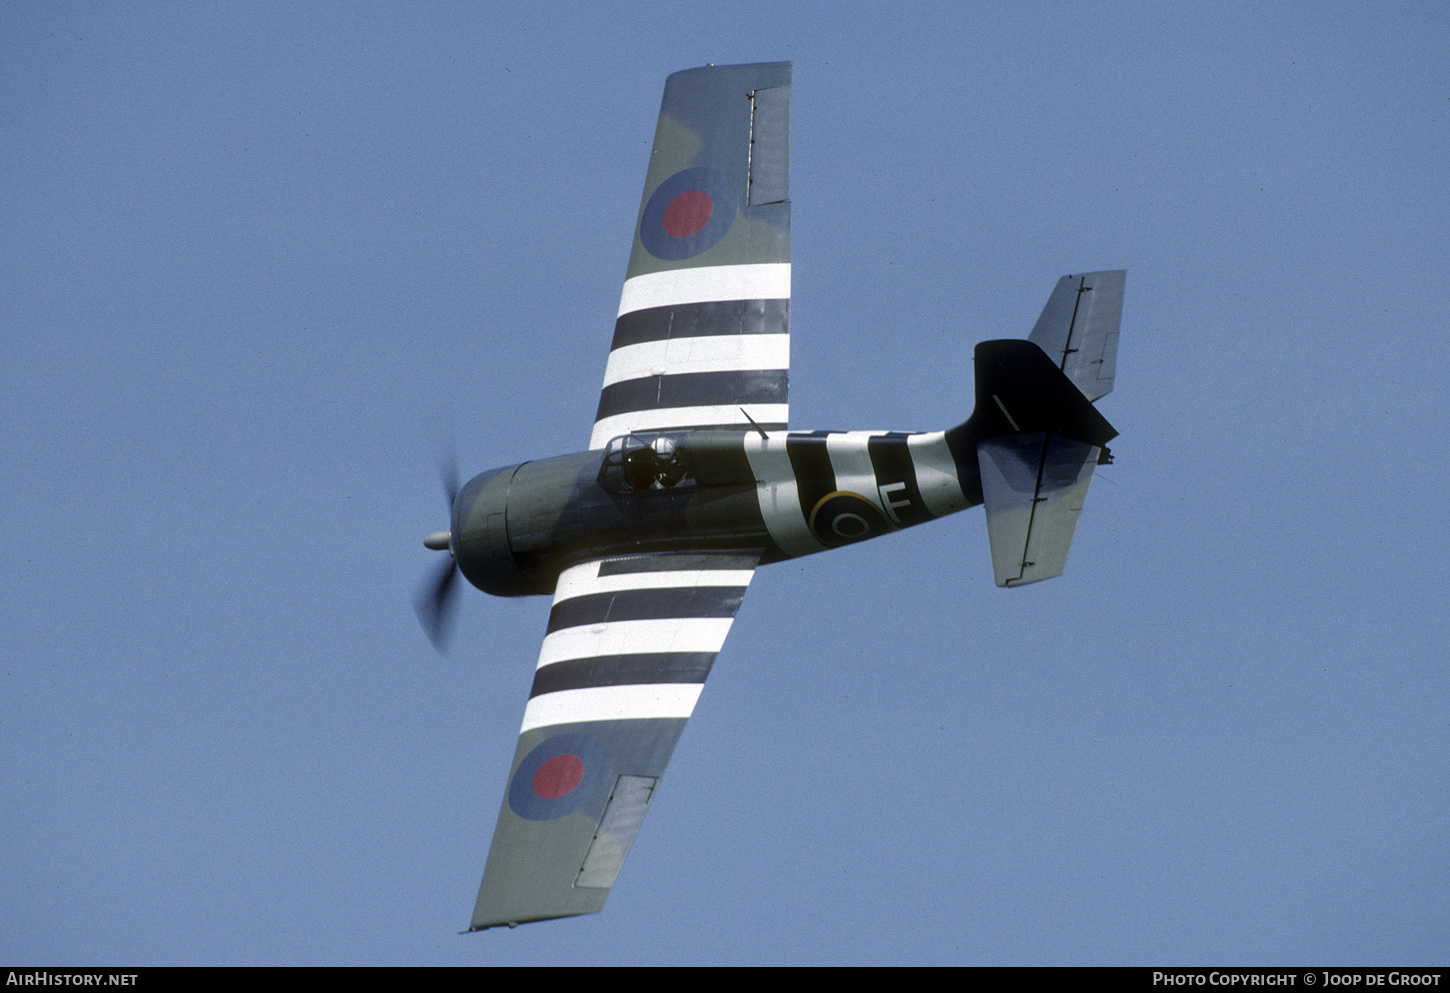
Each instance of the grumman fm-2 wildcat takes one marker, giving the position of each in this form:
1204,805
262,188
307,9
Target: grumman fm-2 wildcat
692,479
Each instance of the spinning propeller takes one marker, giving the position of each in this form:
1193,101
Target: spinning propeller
435,602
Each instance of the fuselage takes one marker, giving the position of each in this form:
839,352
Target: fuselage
789,494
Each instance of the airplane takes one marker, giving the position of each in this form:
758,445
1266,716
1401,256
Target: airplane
648,539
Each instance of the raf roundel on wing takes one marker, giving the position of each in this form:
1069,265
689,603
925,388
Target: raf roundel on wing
568,772
687,214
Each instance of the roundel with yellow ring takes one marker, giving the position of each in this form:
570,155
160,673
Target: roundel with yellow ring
842,517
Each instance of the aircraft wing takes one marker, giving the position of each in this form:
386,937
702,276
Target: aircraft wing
629,643
704,318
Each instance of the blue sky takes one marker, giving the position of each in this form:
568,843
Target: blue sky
257,258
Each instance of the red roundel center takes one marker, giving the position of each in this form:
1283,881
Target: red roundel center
558,776
688,213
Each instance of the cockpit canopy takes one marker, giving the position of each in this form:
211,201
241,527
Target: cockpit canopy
650,462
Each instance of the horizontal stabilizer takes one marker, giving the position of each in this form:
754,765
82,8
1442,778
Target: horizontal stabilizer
1039,437
1033,487
1078,329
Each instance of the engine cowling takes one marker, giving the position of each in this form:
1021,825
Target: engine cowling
514,528
480,534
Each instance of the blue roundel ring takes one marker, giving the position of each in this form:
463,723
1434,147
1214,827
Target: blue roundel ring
655,226
568,772
842,517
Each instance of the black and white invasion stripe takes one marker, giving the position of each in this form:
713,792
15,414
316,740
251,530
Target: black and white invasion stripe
693,346
907,478
634,637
